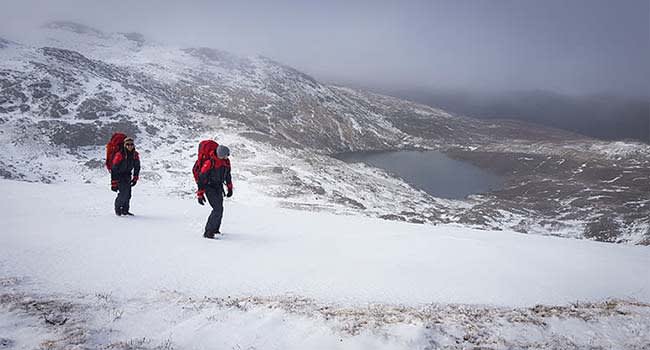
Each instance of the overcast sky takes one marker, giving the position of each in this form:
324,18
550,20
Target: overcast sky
569,46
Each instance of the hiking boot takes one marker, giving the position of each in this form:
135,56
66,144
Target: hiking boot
118,212
208,235
126,212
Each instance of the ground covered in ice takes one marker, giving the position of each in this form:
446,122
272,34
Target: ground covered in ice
74,275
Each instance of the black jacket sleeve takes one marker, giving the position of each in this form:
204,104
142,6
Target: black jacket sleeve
204,174
136,164
226,177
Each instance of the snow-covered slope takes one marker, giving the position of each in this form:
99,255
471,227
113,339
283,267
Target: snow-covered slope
286,279
68,87
306,261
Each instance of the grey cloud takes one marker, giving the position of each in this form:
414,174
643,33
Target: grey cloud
579,46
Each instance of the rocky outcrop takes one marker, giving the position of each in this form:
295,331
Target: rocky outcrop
73,135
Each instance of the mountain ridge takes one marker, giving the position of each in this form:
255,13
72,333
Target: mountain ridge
74,92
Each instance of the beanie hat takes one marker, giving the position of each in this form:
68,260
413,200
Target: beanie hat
223,151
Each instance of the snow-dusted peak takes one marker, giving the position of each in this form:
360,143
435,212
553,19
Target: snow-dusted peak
74,27
4,43
90,42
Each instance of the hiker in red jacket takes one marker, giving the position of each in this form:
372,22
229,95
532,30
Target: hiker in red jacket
124,162
214,173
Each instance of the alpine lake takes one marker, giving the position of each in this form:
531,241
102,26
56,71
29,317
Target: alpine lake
430,171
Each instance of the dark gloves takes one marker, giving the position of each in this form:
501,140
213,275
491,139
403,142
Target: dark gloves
114,185
229,193
134,180
200,195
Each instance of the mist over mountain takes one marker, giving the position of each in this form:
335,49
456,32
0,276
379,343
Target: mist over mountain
606,117
68,88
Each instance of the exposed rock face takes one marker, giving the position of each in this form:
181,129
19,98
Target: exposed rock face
604,229
82,134
100,105
556,182
572,187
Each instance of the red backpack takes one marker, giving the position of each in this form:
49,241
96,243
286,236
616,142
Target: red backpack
206,148
113,146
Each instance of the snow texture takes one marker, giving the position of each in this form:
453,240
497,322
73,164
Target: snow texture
281,278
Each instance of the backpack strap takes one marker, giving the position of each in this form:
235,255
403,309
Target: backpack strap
203,173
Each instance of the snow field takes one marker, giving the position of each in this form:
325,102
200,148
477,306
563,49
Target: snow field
73,275
67,238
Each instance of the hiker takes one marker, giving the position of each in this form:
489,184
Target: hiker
213,174
124,161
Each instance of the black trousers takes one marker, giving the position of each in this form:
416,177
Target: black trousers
122,202
215,198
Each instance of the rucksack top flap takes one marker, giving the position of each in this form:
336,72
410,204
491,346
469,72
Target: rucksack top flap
206,148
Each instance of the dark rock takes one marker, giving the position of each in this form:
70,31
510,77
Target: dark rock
271,140
5,83
38,93
150,129
45,84
75,135
57,110
68,56
6,172
340,198
79,62
6,343
99,106
646,238
415,220
94,164
392,217
13,95
321,191
603,229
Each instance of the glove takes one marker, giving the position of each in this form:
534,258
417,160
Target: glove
229,193
134,181
114,185
200,195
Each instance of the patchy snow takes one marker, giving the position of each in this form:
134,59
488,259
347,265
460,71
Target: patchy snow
280,271
612,180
